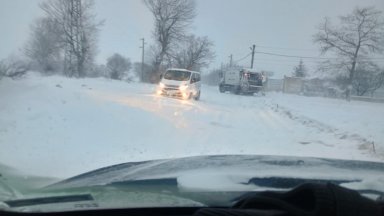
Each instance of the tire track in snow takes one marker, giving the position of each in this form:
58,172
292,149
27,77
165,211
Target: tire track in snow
166,108
363,143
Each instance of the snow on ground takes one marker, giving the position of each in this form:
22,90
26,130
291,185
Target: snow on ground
355,119
54,126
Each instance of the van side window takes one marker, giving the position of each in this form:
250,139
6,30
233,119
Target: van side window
193,78
198,77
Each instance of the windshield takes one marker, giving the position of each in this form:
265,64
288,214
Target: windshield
177,75
148,103
254,76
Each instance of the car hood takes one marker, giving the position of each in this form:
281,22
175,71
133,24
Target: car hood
174,82
234,173
216,180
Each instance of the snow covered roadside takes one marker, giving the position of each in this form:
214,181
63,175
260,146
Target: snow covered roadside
357,120
54,126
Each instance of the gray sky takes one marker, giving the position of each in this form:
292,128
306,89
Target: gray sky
276,26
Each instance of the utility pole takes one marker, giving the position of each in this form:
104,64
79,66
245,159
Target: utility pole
142,59
230,60
253,54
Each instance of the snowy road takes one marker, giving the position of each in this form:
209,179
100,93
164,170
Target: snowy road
60,127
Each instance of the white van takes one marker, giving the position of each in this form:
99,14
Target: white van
180,83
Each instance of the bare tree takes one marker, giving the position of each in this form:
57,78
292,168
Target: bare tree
172,17
44,46
368,78
147,70
300,70
118,66
359,33
195,53
13,68
154,61
78,32
213,77
3,68
98,70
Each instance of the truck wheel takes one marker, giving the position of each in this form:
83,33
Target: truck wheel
237,90
197,97
221,89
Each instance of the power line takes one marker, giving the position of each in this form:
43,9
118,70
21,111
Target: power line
246,56
285,48
292,56
311,61
301,49
307,57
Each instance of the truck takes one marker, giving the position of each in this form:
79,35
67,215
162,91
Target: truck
242,81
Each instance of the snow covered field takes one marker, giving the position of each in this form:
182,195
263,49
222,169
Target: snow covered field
54,126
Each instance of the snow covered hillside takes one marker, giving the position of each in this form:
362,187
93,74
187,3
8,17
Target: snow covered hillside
55,126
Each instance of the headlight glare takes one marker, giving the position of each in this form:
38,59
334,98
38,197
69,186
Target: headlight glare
183,87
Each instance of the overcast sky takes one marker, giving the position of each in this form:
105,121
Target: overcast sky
275,26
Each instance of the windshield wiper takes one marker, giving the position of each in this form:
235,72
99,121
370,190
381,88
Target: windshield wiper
8,190
287,183
48,200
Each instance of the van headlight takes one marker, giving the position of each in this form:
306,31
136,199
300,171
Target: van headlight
183,87
161,85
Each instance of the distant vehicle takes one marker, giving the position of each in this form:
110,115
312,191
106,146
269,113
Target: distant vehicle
180,83
242,81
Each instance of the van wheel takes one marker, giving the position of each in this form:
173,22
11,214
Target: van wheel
197,97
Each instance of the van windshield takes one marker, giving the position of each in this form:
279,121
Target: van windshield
177,75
